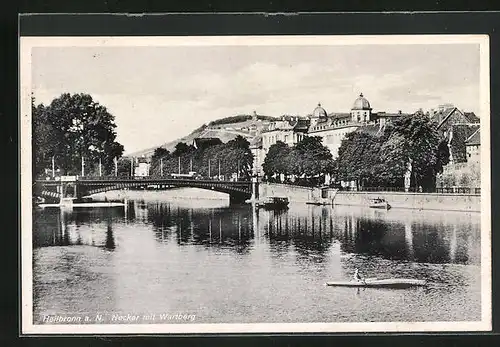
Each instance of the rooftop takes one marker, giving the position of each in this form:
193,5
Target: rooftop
361,103
474,139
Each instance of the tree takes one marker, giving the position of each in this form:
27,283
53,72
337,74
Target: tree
182,148
312,158
229,157
413,146
159,154
358,157
276,161
44,141
124,167
72,127
239,157
408,146
308,159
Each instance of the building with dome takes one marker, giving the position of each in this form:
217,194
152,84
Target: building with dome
333,127
361,110
318,115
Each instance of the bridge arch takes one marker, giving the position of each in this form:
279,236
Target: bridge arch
237,190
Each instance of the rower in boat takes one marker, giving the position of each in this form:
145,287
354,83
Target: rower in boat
357,276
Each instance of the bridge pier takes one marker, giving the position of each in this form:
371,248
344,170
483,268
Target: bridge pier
255,188
237,198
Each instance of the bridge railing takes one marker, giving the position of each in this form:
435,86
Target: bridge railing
439,190
151,177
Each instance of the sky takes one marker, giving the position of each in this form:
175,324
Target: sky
159,94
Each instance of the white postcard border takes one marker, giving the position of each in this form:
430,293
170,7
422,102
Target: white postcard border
28,43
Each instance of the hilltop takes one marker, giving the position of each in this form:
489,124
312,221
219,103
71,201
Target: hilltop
226,129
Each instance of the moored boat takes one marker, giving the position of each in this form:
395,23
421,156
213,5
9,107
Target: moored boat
274,202
397,283
379,203
318,203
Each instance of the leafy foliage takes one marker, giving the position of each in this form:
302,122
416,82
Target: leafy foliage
72,127
232,157
383,160
306,161
277,160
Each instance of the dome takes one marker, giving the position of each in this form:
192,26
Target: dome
361,103
319,112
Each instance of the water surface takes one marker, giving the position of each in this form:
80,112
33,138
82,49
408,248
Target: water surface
234,264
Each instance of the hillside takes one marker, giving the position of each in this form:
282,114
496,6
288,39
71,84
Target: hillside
225,128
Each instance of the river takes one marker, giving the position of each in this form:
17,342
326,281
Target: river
205,261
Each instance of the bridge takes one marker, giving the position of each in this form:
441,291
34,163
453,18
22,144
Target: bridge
80,187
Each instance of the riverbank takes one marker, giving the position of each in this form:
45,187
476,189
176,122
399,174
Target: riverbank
419,201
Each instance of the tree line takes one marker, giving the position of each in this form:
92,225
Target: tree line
409,147
232,157
69,128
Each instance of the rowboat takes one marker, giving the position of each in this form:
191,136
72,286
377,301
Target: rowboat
379,203
399,283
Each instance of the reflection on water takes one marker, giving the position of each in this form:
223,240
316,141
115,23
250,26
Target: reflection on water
269,257
406,235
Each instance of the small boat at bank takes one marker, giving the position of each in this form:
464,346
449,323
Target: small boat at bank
397,283
379,203
318,203
274,202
